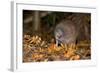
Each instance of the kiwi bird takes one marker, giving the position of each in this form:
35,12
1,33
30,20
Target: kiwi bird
65,32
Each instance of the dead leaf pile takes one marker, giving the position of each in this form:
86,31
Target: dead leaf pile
35,49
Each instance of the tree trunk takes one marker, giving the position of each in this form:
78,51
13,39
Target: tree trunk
36,21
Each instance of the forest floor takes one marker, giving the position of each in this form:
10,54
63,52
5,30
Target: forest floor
36,49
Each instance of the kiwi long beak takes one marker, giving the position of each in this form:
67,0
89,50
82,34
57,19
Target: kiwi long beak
58,42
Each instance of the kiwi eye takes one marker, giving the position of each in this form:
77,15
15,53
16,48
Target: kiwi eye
60,36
